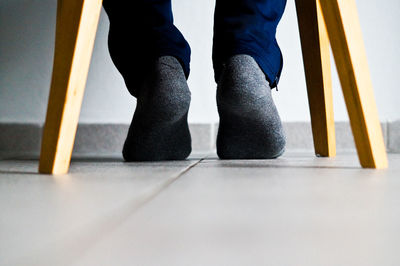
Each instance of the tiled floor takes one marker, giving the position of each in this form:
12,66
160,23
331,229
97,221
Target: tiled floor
296,210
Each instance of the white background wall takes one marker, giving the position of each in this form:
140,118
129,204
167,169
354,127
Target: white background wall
26,52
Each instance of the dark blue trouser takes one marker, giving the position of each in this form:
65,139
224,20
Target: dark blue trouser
143,30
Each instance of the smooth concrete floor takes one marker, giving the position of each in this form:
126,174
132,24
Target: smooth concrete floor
295,210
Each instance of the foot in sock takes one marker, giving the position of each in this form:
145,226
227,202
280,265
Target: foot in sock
250,126
159,128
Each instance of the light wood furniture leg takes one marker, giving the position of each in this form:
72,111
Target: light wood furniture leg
345,36
317,67
77,22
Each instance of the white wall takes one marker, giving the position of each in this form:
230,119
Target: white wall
26,51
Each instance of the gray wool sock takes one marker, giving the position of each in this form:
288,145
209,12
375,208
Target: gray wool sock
250,126
159,128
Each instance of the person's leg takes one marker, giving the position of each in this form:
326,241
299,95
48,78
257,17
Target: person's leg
247,64
248,27
153,58
140,32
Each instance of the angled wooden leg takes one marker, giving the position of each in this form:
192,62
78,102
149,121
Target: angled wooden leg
77,22
345,35
317,67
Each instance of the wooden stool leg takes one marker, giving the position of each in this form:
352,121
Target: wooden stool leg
77,22
317,67
345,35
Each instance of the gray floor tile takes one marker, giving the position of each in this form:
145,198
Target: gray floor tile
296,210
46,220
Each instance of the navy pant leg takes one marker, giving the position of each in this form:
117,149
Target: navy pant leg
140,32
248,27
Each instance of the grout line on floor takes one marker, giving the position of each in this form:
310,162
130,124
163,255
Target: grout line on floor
187,169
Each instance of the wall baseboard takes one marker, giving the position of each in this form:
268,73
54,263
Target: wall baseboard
106,140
